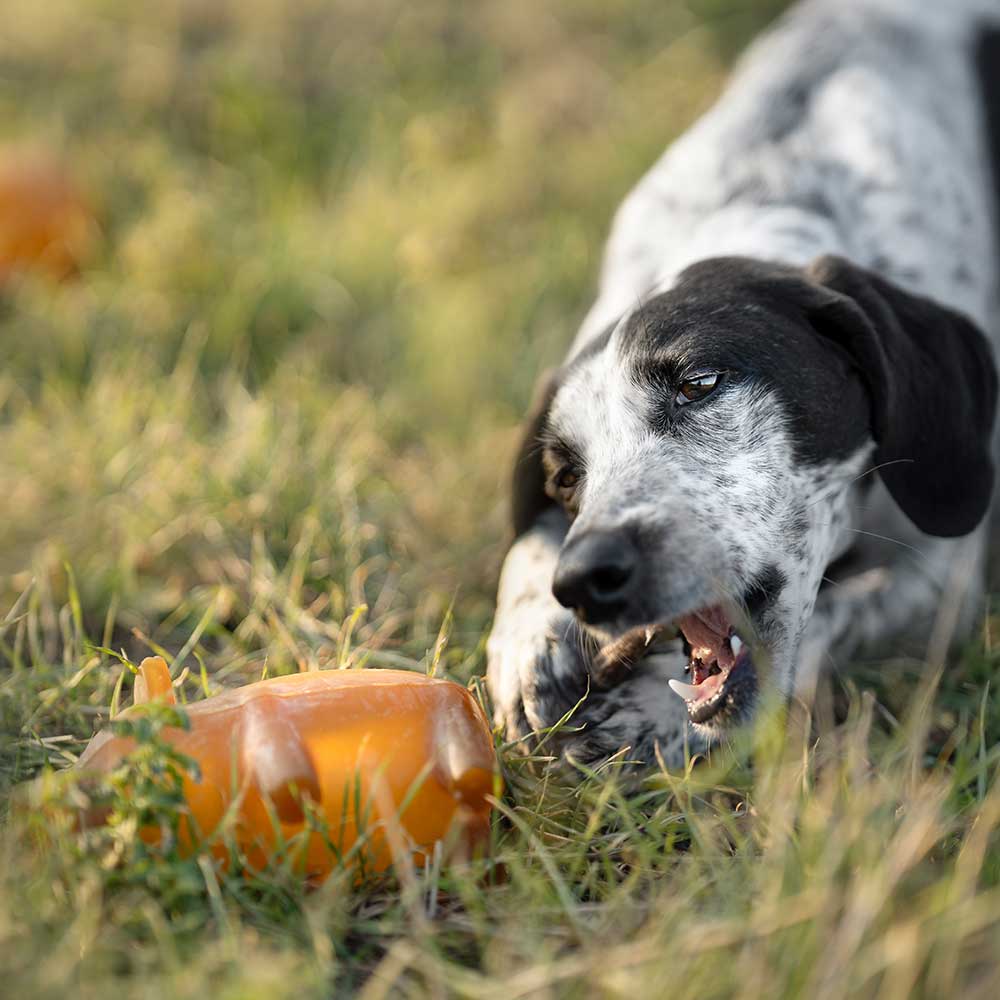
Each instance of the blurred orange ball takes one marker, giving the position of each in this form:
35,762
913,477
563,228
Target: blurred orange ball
46,225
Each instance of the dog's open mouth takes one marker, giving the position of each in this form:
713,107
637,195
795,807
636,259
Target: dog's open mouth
720,666
717,659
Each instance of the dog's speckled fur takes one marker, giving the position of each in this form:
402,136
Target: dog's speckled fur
855,128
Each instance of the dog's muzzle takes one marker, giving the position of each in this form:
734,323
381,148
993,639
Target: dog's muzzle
598,579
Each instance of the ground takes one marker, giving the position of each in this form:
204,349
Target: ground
267,427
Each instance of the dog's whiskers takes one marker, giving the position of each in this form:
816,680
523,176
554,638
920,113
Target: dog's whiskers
888,538
861,475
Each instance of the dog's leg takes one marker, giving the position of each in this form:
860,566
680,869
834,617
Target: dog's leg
537,669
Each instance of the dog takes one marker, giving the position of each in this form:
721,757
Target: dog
771,443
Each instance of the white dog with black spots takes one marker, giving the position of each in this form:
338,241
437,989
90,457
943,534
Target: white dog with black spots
770,445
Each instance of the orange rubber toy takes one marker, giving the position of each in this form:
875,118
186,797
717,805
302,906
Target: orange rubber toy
45,223
405,758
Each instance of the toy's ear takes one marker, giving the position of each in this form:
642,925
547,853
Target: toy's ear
275,760
933,386
529,498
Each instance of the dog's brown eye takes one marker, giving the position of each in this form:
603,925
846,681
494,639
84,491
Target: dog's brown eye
698,387
567,479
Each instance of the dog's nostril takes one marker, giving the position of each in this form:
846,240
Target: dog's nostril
609,579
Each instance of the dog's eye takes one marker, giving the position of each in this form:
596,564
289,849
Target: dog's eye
567,479
698,387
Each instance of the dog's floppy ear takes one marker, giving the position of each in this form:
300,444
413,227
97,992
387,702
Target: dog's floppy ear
933,386
529,498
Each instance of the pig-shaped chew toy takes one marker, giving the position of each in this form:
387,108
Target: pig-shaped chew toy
389,761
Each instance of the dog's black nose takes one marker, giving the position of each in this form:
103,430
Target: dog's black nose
595,575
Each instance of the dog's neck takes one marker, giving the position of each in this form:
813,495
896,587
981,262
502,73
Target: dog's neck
780,234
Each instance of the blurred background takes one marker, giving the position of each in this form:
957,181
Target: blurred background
276,280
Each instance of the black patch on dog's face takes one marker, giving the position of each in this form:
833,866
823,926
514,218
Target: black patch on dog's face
738,318
851,357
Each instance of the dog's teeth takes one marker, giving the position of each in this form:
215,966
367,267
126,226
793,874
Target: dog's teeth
689,692
735,644
649,635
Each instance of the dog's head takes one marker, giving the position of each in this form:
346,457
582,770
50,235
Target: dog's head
708,448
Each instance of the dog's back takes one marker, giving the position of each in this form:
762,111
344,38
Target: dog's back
853,127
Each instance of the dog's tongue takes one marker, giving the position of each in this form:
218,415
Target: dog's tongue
707,633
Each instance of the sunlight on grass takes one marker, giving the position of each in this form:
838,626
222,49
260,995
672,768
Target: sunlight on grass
268,428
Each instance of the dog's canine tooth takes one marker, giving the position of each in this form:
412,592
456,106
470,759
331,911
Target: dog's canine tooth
735,644
686,691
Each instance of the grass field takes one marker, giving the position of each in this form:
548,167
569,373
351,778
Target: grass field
268,427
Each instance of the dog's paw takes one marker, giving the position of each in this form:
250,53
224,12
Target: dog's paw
538,680
641,720
536,673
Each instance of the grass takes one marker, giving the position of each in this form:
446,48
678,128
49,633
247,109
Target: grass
268,428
